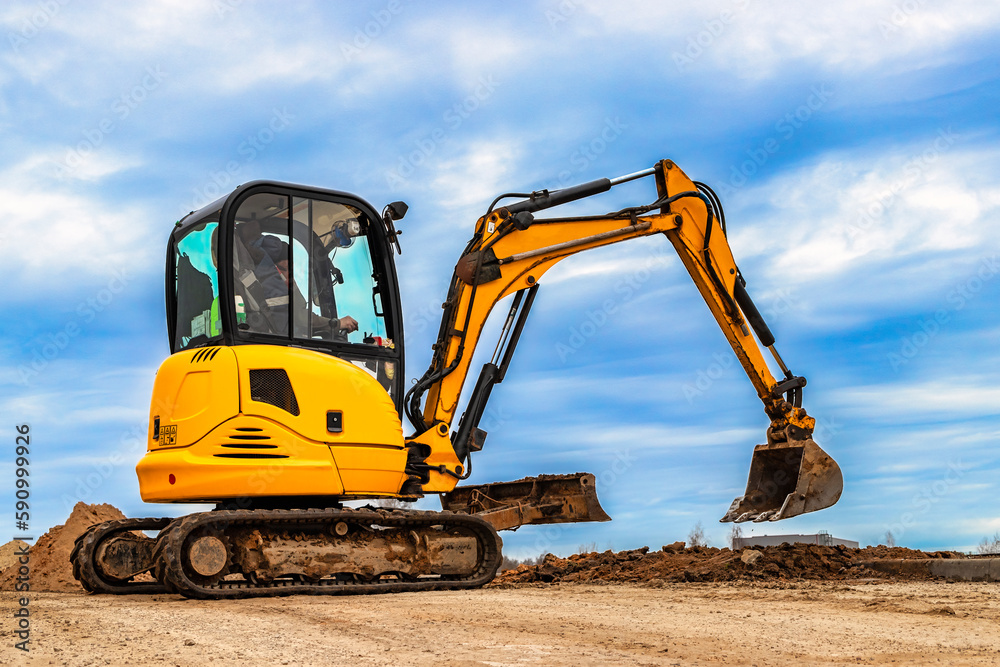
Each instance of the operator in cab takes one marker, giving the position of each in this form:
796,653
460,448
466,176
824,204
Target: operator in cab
273,273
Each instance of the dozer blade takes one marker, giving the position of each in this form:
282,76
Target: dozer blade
542,499
787,479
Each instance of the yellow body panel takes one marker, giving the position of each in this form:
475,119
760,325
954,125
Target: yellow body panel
209,471
217,441
369,470
194,392
442,453
321,383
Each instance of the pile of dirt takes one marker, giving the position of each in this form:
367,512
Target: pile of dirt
50,566
677,563
9,553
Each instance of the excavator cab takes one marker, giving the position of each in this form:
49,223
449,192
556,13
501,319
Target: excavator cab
310,268
285,327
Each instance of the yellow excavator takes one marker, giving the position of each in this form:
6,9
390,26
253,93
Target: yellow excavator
283,396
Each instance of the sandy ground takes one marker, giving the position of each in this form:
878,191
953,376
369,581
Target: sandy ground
803,623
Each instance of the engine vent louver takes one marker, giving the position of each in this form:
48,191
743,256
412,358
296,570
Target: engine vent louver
249,440
271,385
206,354
251,456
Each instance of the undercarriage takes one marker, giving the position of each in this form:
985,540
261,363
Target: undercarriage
243,553
255,553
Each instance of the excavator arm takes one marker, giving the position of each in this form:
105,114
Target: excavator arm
508,254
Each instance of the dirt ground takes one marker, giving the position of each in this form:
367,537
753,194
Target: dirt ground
789,605
746,623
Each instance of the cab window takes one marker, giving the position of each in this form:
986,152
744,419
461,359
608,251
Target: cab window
196,287
303,269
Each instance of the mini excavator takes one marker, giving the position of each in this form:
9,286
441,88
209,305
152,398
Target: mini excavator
283,396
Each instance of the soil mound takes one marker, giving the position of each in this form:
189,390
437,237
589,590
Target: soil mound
50,566
676,563
8,553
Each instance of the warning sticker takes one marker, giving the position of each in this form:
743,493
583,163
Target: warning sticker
168,436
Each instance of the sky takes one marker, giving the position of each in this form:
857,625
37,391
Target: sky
854,146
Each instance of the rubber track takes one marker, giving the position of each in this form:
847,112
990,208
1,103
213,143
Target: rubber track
158,561
281,520
85,548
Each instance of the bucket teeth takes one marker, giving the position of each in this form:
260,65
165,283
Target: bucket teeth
787,479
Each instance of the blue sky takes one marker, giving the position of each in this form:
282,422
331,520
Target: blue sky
855,147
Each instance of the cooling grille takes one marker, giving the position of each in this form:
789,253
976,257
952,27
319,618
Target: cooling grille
271,385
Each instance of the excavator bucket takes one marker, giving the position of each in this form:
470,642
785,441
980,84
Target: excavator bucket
542,499
787,479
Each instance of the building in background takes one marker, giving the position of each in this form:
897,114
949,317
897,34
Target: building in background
822,537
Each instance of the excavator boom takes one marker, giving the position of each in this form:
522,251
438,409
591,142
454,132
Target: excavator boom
510,252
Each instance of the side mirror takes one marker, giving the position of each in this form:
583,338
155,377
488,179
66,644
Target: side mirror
397,210
394,211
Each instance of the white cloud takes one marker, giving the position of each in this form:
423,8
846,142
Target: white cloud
463,42
941,399
917,216
90,164
54,234
759,39
198,47
474,176
226,49
644,259
986,527
656,437
84,385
